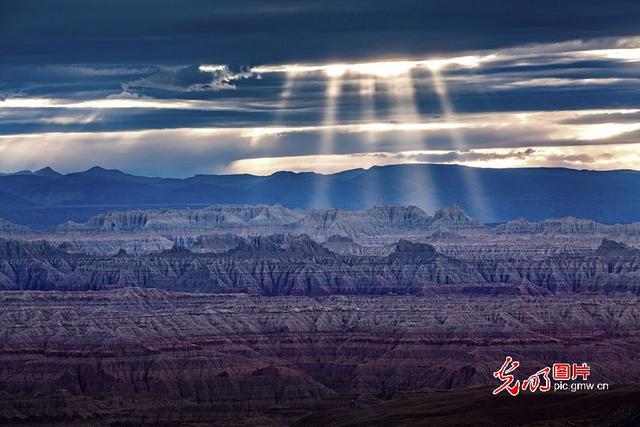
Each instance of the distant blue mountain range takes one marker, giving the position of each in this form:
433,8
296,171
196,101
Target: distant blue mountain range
46,198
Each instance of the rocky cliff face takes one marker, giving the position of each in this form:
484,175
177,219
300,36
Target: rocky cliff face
377,221
211,243
218,229
268,265
111,244
10,229
296,265
236,315
611,247
453,217
149,357
176,220
567,225
346,246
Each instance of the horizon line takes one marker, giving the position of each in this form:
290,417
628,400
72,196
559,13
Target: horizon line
28,172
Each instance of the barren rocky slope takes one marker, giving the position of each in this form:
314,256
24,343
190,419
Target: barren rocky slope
11,229
287,264
374,231
567,225
263,315
477,407
176,220
378,220
154,357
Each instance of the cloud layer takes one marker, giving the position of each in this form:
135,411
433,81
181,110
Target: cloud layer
260,86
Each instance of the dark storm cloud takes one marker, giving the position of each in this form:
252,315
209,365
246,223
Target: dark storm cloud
257,103
262,31
34,120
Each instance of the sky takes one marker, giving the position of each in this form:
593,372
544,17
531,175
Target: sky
175,88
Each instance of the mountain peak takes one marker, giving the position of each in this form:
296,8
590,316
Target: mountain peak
102,172
22,172
453,215
9,228
610,247
47,172
96,169
406,249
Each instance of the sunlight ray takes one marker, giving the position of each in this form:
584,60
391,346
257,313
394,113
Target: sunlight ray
474,188
404,109
369,139
327,139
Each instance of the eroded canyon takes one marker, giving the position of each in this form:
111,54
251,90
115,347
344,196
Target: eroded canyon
263,315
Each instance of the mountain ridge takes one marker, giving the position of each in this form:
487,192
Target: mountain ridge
489,195
284,265
378,220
